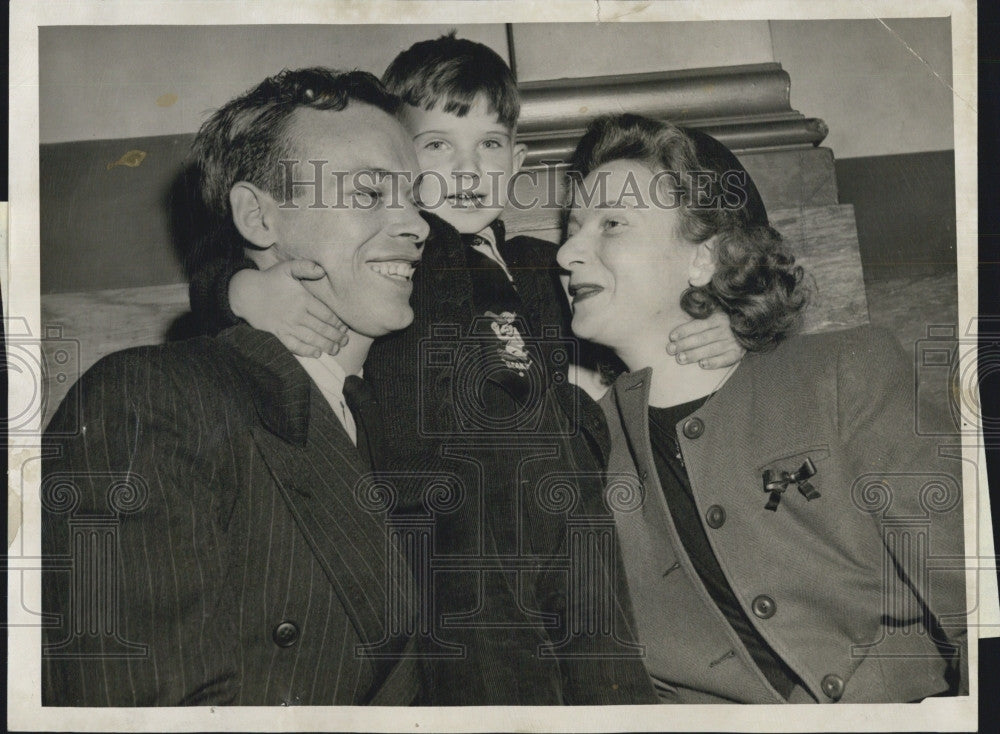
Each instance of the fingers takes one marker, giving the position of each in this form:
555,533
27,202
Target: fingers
322,291
299,347
709,342
698,353
320,306
320,312
311,337
726,359
683,339
716,320
320,334
305,270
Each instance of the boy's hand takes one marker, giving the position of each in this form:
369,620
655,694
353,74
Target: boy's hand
277,300
709,342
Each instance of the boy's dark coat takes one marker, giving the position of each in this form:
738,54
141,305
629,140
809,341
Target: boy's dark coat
506,478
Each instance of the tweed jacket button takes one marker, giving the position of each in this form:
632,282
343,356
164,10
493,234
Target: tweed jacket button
285,634
693,427
764,607
715,516
833,686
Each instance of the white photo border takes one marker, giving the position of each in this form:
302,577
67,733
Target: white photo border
23,300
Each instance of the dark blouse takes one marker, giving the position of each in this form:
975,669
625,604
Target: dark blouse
677,490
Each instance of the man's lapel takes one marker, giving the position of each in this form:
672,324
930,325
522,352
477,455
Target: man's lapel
317,470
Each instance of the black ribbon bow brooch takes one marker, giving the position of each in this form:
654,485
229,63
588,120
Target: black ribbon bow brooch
775,483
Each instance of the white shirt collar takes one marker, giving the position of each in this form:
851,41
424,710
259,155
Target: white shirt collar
329,377
490,249
488,234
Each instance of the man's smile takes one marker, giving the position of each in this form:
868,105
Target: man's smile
400,270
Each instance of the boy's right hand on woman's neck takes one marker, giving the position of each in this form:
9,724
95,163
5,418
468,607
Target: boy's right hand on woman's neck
709,342
290,300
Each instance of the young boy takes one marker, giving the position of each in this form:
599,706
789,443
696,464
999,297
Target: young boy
475,394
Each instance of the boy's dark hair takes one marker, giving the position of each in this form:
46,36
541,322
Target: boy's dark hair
454,72
247,137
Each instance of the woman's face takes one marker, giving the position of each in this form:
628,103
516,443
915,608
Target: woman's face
627,263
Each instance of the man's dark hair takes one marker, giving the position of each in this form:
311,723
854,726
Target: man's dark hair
247,137
454,72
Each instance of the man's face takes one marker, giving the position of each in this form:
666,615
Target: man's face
368,234
467,163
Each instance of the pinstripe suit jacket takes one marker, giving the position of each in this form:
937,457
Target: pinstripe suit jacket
202,540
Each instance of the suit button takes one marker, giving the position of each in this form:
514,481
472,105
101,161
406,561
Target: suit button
693,427
285,634
764,607
715,517
833,686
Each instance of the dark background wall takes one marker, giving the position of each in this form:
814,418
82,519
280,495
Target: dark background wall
905,210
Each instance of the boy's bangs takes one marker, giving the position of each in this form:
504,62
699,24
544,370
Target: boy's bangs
458,101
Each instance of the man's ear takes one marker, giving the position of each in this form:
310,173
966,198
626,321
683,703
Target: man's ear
703,263
254,214
520,151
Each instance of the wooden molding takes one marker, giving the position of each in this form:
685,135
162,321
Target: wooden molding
746,107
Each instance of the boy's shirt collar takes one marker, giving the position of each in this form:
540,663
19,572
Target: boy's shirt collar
497,230
487,233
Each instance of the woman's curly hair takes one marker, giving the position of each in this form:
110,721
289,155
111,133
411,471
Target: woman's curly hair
756,281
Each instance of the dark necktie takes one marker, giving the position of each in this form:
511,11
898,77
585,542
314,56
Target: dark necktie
360,398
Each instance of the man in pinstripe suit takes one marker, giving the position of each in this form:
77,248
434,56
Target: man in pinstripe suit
203,539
